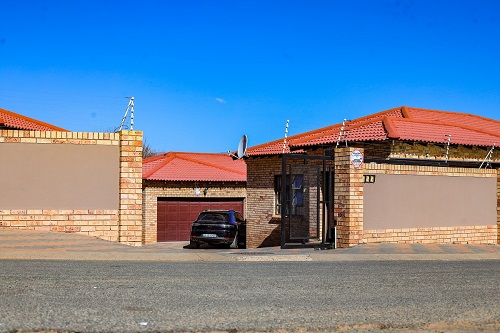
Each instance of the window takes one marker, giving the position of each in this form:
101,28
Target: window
277,194
295,187
213,217
298,190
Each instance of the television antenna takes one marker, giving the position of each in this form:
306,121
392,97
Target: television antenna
130,107
242,148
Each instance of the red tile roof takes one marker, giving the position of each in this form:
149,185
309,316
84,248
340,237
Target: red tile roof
12,120
402,123
175,166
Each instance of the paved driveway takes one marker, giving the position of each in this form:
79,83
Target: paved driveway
31,244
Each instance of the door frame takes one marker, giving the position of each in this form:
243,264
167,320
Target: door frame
324,199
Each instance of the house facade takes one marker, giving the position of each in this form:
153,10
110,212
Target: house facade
404,175
177,186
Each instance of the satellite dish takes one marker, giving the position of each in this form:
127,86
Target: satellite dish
242,147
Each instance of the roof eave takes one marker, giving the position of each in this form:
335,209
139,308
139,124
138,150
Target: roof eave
197,180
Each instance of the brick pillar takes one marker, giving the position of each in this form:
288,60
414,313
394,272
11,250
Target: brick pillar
348,198
498,206
130,225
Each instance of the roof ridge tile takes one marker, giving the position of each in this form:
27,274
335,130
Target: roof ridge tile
443,123
453,112
406,113
392,131
168,158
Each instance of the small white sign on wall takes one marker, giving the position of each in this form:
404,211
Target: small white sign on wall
357,158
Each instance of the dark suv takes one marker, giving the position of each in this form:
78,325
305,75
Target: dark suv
219,227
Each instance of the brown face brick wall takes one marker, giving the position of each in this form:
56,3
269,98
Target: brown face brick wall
348,198
263,227
448,235
97,223
130,227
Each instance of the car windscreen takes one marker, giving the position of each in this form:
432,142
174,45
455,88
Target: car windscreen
213,218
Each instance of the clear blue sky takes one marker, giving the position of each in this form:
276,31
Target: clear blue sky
203,73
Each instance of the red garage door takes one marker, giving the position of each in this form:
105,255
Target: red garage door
175,217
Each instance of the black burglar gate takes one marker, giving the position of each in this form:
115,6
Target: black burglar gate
306,200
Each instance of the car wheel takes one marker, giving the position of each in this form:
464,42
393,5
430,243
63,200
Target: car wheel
194,244
234,244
